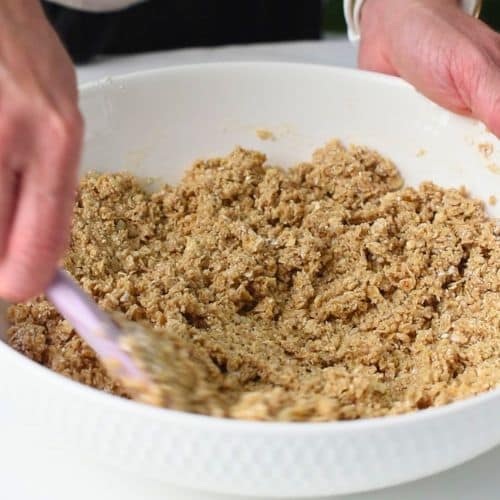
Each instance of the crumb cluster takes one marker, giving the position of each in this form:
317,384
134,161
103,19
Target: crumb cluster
327,291
265,135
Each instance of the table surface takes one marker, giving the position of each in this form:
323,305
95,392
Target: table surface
30,472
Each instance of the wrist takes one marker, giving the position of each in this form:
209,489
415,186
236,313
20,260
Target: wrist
390,8
376,8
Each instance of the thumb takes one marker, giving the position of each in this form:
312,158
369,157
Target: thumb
371,57
482,82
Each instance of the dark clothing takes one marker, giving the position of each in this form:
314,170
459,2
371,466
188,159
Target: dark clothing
168,24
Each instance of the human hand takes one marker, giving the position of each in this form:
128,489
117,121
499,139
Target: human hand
449,56
40,139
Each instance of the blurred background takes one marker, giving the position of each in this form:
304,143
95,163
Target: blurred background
160,25
333,20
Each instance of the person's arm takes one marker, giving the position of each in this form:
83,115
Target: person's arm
353,8
447,54
40,138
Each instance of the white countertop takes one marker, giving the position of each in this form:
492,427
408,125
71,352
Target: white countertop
333,51
29,472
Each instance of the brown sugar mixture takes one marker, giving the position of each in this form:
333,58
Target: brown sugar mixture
324,292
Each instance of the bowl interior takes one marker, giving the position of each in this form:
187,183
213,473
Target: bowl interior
156,124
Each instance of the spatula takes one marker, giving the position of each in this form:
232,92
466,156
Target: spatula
103,335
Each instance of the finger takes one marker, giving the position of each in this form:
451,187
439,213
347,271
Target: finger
40,227
8,192
484,94
13,147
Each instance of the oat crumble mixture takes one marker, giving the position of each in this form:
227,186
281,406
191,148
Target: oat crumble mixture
328,291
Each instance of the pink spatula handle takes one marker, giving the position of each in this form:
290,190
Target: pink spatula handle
92,324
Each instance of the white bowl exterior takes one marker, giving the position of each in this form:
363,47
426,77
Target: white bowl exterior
156,124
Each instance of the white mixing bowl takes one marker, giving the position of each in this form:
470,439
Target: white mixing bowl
156,124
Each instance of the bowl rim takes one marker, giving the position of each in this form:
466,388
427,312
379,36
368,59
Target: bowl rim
134,76
46,375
